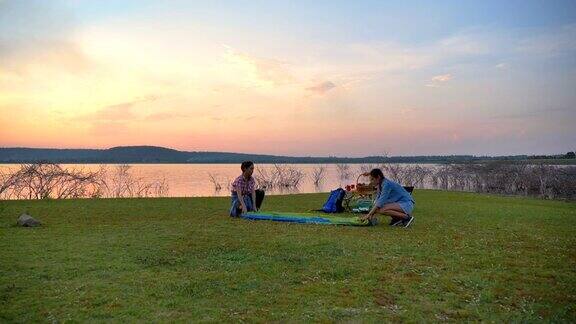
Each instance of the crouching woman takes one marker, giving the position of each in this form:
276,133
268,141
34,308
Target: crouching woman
392,200
245,196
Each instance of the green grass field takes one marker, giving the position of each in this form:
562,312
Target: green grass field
467,257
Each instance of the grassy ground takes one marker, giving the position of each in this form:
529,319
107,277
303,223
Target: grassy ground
466,257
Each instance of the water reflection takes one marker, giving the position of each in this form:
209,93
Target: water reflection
198,180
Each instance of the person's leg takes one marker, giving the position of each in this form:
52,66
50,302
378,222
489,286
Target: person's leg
259,198
248,202
397,214
235,209
393,210
401,211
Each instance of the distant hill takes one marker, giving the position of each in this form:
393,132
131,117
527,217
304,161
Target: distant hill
154,154
148,154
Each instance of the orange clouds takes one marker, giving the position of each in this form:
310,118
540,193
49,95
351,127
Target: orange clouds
166,79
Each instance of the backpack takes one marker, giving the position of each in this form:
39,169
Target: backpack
334,202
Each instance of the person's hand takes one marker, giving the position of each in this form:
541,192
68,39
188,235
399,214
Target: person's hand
244,210
366,217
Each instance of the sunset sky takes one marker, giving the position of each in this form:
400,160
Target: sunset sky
346,78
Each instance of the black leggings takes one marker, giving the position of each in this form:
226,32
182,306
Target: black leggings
259,197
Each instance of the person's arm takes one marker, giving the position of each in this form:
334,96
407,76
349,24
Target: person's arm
372,211
382,194
240,197
370,214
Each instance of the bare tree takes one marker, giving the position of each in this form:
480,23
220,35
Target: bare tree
49,180
121,183
318,175
155,188
364,168
7,181
281,176
288,176
344,170
415,175
544,175
565,185
161,188
214,180
394,171
549,182
52,181
265,178
229,184
100,187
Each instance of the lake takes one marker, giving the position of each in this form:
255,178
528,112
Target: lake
194,180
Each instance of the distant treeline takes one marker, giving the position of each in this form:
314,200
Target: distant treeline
569,155
152,154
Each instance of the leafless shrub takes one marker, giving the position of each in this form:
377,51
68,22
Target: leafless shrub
545,181
265,178
415,175
155,188
318,175
214,180
288,176
280,176
122,184
454,177
100,187
7,181
162,188
48,181
52,181
395,172
365,168
565,183
344,171
408,175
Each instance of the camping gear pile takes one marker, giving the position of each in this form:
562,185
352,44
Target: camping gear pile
357,198
307,218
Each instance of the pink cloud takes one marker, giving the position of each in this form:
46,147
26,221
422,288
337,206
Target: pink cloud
268,69
437,80
115,112
108,128
322,87
442,78
165,116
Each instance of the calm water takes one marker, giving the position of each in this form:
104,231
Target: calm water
193,180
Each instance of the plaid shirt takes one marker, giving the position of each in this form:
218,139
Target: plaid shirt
243,185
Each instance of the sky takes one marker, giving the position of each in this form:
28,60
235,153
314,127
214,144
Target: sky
299,78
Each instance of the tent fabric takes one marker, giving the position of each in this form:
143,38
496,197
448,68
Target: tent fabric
305,218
